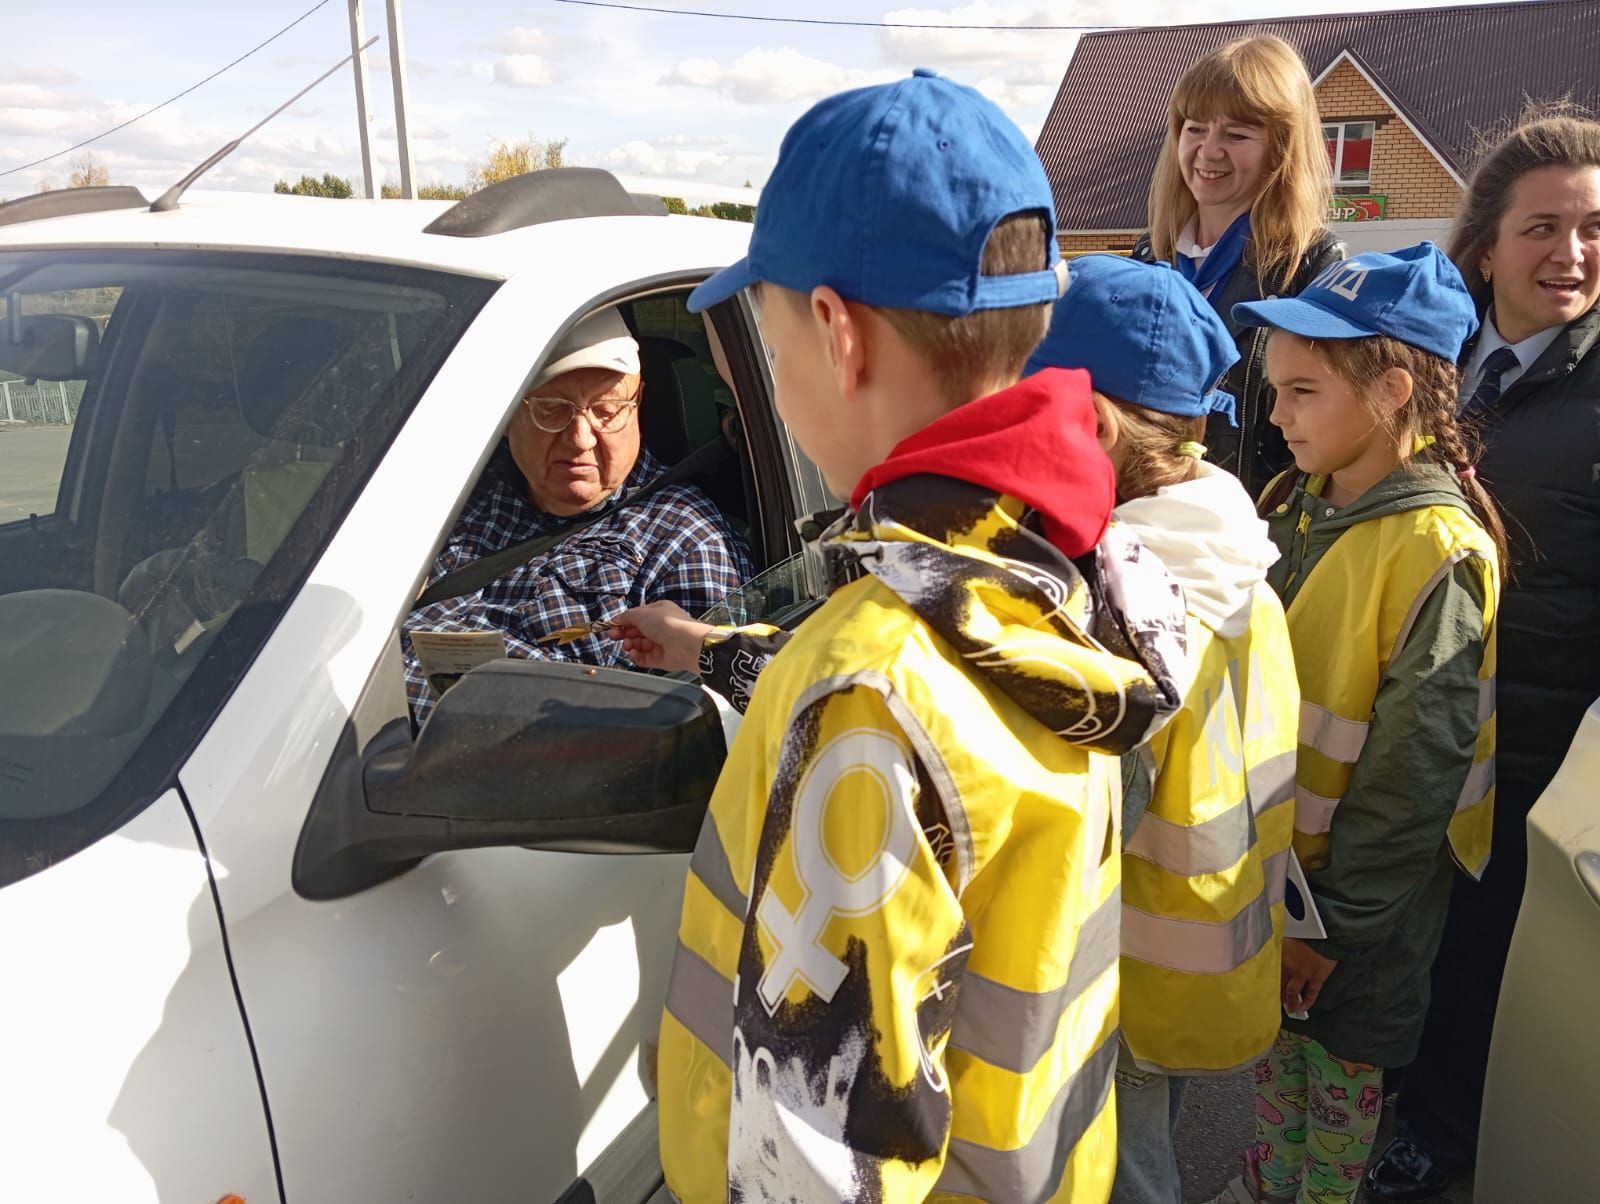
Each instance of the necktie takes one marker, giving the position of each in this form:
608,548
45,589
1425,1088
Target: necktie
1500,361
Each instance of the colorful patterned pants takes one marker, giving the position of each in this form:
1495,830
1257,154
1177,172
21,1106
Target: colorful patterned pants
1316,1116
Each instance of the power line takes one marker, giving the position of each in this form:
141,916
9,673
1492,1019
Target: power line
692,12
170,99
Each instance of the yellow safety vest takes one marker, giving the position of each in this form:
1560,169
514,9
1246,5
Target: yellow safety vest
1349,619
981,985
1203,871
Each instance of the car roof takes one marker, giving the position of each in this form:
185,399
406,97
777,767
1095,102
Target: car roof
389,231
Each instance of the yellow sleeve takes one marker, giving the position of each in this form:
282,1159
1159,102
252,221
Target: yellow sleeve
852,955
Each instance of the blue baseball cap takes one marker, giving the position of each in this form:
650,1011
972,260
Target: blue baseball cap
1414,294
887,194
1144,333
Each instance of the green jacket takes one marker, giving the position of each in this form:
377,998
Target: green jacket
1385,889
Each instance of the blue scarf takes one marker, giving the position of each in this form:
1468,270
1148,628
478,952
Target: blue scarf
1211,274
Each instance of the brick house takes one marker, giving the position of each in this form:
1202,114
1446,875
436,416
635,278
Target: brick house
1406,99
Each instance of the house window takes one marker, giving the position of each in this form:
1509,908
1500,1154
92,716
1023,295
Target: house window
1350,151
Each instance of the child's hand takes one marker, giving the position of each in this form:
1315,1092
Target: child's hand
1304,972
660,635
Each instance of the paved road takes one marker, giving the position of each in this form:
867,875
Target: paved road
1218,1121
30,469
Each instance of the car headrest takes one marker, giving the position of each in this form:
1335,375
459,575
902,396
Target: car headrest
663,420
288,389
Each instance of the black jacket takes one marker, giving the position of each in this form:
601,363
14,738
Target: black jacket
1541,462
1265,453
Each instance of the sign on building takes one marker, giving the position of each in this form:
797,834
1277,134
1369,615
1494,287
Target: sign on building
1366,208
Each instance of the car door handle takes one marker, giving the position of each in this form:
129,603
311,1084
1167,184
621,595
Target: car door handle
1588,865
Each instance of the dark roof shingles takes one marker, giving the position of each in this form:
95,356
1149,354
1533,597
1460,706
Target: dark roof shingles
1100,141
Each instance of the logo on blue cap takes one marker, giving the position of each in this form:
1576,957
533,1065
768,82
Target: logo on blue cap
888,194
1414,294
1145,335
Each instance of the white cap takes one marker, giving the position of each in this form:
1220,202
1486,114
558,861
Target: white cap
599,341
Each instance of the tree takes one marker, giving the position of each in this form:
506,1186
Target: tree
330,185
427,192
731,211
507,159
87,172
675,204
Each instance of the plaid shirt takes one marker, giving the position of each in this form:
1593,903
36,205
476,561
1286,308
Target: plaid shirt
675,545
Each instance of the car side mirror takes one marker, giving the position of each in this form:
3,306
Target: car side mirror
49,346
519,752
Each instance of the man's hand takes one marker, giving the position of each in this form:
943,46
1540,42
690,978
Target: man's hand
1304,972
660,635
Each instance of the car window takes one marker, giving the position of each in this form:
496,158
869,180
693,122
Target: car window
38,415
228,409
768,597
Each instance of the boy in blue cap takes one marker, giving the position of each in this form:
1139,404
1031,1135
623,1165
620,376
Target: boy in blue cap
1209,806
896,971
1392,555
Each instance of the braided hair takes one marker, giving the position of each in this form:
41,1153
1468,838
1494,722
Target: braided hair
1428,418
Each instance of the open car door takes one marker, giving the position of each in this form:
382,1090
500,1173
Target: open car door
1540,1122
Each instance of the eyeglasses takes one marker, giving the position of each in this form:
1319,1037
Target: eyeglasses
605,417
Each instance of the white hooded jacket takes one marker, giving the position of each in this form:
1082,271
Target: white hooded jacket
1207,533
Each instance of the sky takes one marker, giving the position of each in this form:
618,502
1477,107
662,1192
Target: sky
652,94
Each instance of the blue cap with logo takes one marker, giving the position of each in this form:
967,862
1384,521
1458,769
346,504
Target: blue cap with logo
1144,333
887,194
1414,294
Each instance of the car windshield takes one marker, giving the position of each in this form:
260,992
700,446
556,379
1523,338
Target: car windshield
180,434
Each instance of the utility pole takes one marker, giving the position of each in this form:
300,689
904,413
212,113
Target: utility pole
397,70
358,35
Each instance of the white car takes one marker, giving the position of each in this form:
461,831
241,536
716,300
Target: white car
261,940
1540,1123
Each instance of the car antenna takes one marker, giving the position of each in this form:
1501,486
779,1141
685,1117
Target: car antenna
169,199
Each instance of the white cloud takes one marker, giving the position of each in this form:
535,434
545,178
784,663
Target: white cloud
523,71
1025,56
762,76
681,157
521,39
706,140
38,96
40,75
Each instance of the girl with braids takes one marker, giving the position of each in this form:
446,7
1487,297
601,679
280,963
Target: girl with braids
1390,574
1208,804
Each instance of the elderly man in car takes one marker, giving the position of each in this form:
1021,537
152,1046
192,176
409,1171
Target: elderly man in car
573,448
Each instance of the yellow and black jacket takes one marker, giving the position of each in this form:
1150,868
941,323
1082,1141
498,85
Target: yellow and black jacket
897,967
1391,603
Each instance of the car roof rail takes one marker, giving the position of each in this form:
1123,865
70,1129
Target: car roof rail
63,202
552,194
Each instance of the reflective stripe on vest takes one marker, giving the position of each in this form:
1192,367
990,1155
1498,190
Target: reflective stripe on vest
711,866
701,1000
1033,1171
1013,1029
1195,947
1333,736
1208,847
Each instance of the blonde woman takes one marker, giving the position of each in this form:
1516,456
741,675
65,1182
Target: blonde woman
1237,204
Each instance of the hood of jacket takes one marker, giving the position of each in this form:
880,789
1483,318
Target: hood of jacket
1034,441
1414,485
1208,535
1094,648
